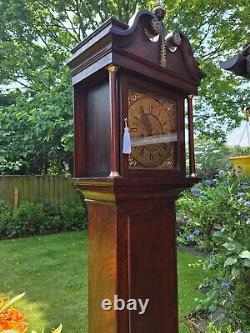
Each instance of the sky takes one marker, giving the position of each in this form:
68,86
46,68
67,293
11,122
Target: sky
235,136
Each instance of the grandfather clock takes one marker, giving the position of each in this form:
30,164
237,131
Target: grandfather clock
136,76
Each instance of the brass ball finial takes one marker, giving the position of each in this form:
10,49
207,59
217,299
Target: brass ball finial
160,12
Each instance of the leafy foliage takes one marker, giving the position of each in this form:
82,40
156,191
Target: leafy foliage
217,219
36,132
36,218
218,30
212,156
35,105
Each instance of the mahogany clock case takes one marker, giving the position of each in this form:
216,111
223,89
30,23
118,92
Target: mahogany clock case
93,123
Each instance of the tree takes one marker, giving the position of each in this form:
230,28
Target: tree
217,30
39,36
36,132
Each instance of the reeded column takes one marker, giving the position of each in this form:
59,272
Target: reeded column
114,120
191,136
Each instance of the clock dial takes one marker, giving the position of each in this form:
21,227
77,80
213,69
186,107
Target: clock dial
152,129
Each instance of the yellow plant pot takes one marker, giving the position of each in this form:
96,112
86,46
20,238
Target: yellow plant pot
241,164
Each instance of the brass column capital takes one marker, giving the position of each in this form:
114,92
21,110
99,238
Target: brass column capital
112,68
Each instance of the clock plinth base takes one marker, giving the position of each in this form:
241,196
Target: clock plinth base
132,254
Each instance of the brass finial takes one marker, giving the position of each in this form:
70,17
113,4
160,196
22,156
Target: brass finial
160,12
112,68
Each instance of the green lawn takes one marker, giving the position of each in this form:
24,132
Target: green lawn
52,270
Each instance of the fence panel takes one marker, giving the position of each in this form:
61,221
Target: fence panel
45,189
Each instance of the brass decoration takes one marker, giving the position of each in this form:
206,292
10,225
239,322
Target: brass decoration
98,195
170,42
96,189
156,26
133,96
112,68
163,51
173,40
159,12
152,122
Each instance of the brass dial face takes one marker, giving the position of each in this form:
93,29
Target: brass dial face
152,130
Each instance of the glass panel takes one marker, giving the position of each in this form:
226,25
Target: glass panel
153,130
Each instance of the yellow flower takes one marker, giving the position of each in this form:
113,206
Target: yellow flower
2,302
58,329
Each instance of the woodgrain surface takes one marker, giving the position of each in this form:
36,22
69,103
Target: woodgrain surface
132,254
97,127
102,266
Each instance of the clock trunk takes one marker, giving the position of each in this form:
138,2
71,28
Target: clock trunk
133,73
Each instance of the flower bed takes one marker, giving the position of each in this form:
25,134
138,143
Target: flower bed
216,218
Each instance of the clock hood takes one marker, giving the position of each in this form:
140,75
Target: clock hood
141,46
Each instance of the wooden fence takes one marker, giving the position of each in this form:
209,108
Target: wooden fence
45,189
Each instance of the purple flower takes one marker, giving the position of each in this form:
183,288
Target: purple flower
207,182
225,285
243,215
215,181
190,237
244,185
246,203
222,173
241,201
233,171
241,195
196,232
196,192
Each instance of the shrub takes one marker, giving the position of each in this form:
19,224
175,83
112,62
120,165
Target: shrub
73,217
212,156
216,215
27,220
37,218
5,217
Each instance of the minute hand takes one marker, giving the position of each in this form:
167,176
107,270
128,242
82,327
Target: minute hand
145,122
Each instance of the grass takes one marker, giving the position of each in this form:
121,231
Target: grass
52,270
190,275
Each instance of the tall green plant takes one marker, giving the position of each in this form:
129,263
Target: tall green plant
217,219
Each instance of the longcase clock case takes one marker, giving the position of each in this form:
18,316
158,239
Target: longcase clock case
140,75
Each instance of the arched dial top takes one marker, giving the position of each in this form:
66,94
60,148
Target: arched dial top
152,123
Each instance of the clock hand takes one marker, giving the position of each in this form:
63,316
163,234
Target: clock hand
145,121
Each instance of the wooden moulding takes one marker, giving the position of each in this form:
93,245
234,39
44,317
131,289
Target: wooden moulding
129,47
126,189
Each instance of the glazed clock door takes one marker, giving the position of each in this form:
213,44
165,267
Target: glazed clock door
154,115
152,122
